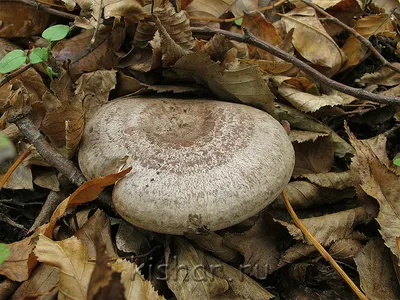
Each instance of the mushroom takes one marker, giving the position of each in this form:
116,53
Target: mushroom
195,162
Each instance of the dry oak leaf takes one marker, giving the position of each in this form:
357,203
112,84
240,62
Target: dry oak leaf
331,227
312,41
70,256
383,185
377,276
367,27
216,8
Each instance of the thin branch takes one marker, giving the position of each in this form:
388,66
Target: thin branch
49,154
321,249
310,71
8,77
15,165
262,9
359,37
45,8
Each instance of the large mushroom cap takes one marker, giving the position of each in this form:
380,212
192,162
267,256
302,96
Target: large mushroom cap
195,162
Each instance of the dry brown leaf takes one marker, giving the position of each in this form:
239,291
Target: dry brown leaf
303,121
296,252
21,261
216,47
260,246
7,288
303,194
312,41
102,57
382,184
386,5
70,256
313,157
132,11
85,193
244,84
94,88
214,243
216,8
136,287
173,37
377,276
20,179
367,27
130,239
272,67
384,76
241,286
186,275
30,21
344,250
47,179
332,180
97,226
307,102
258,25
301,136
43,279
331,227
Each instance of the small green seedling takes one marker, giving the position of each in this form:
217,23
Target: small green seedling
4,252
397,162
16,58
7,149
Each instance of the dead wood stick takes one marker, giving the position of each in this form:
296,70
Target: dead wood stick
248,38
359,37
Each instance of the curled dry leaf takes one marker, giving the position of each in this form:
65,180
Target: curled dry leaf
323,51
384,76
301,136
132,11
382,184
30,21
331,227
332,180
307,102
367,27
303,194
377,276
174,34
303,121
244,84
313,157
259,246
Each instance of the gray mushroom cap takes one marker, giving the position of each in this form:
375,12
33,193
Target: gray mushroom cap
195,162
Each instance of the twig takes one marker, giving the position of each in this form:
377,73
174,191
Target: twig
49,154
8,77
321,249
262,9
45,8
359,37
310,71
13,167
96,29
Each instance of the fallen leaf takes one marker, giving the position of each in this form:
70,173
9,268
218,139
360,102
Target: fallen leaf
323,51
377,276
130,239
331,227
344,250
383,76
382,184
43,279
333,180
47,179
313,157
70,256
301,136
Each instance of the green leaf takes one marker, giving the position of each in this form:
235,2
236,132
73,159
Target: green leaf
4,252
7,149
12,60
397,161
50,72
239,22
55,33
38,55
